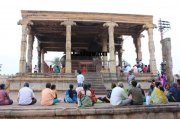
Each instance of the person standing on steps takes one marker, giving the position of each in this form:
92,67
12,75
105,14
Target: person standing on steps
80,78
35,69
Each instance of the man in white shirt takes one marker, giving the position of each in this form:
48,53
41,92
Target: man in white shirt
26,95
80,78
35,69
119,97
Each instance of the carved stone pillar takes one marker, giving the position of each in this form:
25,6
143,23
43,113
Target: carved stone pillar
68,25
42,61
30,51
39,57
137,43
104,49
166,51
152,61
112,61
120,51
22,63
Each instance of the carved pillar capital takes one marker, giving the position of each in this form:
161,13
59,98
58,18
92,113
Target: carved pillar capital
110,24
137,43
25,22
29,31
136,36
68,23
26,26
149,26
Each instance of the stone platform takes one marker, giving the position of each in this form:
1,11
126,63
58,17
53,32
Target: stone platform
98,111
62,81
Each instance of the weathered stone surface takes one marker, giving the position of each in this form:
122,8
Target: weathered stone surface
165,115
68,111
151,115
108,111
5,113
38,82
178,115
123,116
88,111
32,113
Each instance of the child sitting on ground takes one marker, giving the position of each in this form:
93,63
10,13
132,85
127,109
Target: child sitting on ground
53,88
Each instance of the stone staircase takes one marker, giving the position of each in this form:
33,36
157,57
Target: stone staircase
96,82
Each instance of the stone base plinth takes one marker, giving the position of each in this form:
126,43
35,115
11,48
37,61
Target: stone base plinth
98,111
38,81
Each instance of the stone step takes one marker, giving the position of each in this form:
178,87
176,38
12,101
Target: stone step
98,86
93,81
92,76
96,82
100,92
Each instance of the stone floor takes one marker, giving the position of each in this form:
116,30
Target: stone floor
14,95
98,111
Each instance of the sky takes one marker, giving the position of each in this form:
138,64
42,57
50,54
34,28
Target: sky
10,33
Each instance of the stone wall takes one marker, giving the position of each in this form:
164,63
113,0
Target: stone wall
38,82
97,112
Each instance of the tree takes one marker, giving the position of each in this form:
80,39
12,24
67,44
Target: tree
56,61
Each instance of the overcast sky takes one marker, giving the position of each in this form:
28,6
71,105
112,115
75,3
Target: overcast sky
10,34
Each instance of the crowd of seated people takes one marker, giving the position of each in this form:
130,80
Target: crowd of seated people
84,95
137,68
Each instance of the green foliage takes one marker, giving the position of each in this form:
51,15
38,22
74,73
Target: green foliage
56,61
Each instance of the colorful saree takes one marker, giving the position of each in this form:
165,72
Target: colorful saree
158,97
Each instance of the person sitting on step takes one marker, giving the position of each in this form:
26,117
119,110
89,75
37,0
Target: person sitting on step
136,93
71,95
119,96
85,97
26,95
158,96
48,96
93,96
106,99
4,97
53,88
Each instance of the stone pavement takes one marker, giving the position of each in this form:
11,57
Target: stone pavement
98,111
14,95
